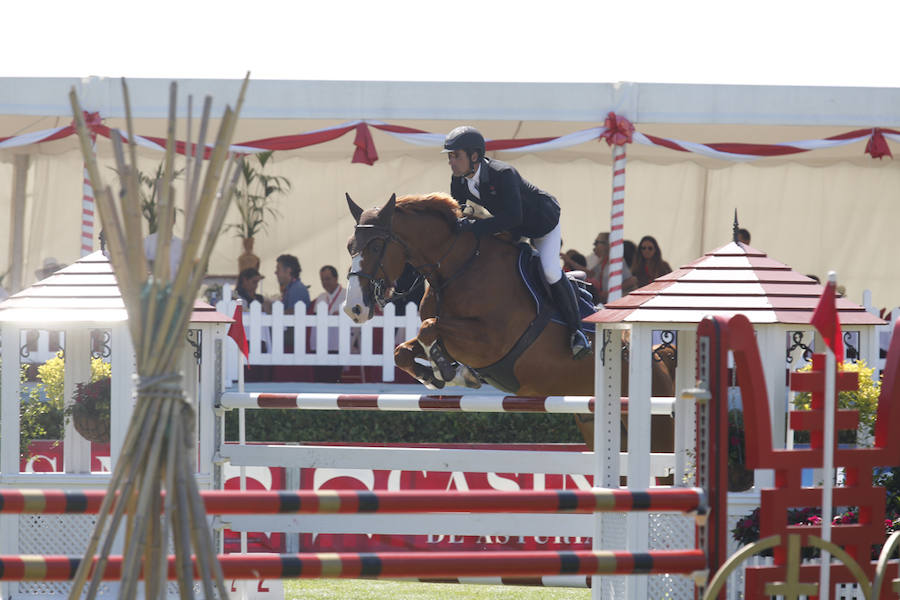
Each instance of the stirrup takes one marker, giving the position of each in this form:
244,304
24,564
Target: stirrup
581,346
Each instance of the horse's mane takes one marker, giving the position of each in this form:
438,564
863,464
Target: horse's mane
438,202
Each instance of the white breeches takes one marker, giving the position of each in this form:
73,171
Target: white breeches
548,248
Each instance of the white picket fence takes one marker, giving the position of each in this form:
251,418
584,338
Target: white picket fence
356,343
356,348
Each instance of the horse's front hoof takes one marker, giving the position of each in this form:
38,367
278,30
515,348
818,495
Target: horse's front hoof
433,384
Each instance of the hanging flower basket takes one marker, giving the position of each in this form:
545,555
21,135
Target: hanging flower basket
90,410
91,426
740,478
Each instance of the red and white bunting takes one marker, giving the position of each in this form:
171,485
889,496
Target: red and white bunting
365,151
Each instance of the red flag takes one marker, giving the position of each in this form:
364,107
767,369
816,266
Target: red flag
825,319
236,332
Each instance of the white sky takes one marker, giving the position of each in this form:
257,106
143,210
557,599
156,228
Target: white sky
784,42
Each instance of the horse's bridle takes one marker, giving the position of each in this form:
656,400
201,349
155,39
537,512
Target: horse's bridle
378,285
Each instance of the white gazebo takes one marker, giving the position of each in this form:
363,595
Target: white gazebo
78,300
730,280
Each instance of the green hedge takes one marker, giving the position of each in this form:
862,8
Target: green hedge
411,427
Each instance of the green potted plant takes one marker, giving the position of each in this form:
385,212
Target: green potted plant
41,410
254,199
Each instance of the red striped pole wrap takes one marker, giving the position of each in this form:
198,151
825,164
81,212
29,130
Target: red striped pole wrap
617,224
36,501
87,208
390,565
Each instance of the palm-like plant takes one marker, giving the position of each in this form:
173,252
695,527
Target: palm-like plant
149,193
255,196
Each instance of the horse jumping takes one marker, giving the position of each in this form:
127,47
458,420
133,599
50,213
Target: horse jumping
476,306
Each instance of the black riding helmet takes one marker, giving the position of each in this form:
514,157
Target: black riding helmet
464,137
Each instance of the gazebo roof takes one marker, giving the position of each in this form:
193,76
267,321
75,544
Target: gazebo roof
84,292
733,279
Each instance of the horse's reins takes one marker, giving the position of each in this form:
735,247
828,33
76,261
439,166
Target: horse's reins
378,285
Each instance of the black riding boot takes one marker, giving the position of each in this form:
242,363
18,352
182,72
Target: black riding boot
564,296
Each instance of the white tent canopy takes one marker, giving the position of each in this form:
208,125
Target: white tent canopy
831,208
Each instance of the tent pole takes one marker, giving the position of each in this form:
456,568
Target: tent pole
616,224
703,202
17,223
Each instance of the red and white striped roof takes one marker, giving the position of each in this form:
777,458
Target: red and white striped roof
733,279
84,292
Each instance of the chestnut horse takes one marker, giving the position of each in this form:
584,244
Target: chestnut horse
476,306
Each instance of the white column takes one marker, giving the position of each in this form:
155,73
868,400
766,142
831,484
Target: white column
76,449
122,361
17,225
9,409
771,340
9,441
685,423
190,373
206,394
639,444
609,527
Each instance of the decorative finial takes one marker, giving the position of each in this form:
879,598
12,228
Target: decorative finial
734,228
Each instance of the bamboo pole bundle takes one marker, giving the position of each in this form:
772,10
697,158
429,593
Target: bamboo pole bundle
159,447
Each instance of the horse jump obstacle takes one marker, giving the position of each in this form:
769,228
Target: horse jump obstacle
417,459
447,460
413,402
687,500
390,565
393,564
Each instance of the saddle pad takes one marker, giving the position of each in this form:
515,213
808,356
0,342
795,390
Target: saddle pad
532,275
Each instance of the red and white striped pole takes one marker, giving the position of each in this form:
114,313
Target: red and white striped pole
87,209
618,132
617,224
87,193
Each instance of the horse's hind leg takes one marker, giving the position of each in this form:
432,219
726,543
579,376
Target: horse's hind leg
405,358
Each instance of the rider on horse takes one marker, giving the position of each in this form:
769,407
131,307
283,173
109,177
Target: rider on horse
514,205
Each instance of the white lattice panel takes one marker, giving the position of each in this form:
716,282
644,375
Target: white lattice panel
671,532
613,535
62,534
54,534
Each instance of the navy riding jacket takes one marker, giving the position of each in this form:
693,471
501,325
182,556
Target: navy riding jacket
515,204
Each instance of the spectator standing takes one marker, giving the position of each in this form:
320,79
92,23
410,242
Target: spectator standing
649,263
598,267
247,284
333,296
287,271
